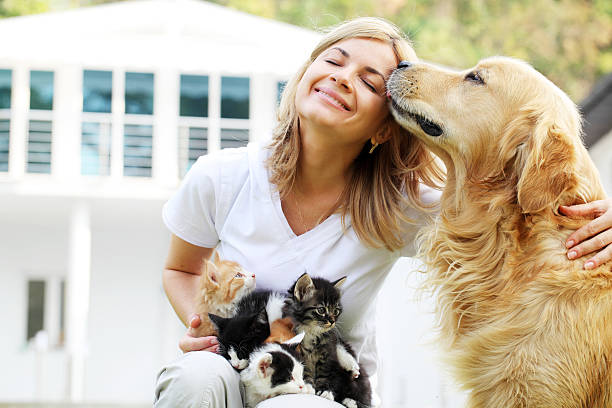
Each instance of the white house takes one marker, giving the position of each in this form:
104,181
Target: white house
102,110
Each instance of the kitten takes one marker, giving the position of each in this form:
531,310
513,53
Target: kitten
273,370
222,285
239,335
249,327
329,362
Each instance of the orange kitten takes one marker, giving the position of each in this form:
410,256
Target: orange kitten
222,285
281,330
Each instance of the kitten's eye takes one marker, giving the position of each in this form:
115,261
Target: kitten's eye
337,311
321,311
239,275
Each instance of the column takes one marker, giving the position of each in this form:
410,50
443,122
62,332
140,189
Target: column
66,159
214,112
165,126
77,299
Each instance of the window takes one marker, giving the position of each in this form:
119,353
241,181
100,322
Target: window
234,138
46,307
235,97
97,91
5,89
280,87
138,93
41,90
36,308
194,96
137,150
95,148
5,122
39,146
193,143
4,144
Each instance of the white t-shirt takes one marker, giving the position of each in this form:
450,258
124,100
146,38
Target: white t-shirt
226,201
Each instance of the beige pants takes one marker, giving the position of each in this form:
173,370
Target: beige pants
201,379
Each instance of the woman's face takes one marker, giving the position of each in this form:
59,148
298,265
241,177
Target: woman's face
343,92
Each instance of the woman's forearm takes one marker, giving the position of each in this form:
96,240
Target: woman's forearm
181,289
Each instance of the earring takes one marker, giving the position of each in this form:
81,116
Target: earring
373,147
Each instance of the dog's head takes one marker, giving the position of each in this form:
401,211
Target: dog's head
499,121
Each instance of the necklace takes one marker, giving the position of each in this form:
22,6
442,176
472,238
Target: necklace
299,211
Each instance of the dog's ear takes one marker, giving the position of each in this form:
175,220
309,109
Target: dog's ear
548,169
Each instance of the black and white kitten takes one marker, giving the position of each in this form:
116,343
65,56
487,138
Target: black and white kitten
239,335
274,370
248,329
330,363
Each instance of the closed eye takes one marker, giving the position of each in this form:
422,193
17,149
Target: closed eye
474,77
369,85
332,62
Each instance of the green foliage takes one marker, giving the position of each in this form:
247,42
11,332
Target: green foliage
570,41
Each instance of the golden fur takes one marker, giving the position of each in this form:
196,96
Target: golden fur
524,326
222,284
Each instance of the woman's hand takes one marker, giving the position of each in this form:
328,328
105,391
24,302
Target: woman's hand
594,236
191,343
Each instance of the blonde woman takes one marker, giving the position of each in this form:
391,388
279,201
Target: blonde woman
341,190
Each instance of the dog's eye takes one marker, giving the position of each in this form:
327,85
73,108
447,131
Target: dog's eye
474,77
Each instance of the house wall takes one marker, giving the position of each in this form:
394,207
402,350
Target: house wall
601,153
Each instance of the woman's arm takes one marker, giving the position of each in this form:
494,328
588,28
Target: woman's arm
594,236
180,279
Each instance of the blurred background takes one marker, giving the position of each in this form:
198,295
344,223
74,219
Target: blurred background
104,105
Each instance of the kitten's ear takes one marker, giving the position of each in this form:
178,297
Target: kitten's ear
338,284
215,257
212,273
263,367
303,288
218,321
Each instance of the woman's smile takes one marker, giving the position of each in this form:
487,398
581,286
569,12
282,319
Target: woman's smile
332,98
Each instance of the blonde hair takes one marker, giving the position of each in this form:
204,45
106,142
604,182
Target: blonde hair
382,184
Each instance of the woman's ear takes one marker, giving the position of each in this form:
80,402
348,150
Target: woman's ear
384,133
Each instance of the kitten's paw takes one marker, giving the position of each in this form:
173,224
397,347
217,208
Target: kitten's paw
326,394
355,371
349,403
240,364
308,389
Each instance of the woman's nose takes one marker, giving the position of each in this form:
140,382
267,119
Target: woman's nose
404,64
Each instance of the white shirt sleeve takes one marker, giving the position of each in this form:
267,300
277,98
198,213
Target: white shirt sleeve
190,212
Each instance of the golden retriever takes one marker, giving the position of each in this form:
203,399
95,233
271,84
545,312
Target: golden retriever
524,326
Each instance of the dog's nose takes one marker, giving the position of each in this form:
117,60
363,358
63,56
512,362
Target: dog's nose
404,64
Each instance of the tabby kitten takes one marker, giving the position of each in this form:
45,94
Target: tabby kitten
222,285
330,363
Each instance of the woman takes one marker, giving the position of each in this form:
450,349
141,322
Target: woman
325,198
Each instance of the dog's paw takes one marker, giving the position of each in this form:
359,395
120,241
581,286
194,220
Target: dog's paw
349,403
326,394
